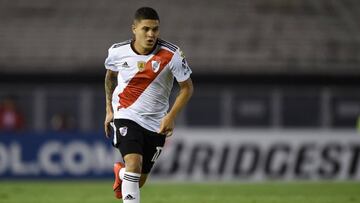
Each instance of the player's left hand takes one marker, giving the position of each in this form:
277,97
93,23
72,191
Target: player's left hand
167,126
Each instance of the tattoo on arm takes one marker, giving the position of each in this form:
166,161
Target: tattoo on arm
110,84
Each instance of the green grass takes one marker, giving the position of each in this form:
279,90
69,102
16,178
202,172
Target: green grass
100,192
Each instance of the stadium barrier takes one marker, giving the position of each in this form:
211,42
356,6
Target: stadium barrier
191,155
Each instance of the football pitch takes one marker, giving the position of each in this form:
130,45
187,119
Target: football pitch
100,191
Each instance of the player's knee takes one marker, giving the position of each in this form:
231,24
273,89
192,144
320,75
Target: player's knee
133,165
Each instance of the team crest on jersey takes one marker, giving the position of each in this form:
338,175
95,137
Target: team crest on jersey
155,64
123,131
141,65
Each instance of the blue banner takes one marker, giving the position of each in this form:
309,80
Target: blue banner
55,155
191,155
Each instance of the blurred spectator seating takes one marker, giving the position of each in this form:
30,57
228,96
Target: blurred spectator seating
257,36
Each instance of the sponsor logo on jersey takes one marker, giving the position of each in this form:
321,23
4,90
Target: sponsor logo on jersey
123,131
155,64
141,65
125,65
185,66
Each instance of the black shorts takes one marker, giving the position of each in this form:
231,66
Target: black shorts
130,137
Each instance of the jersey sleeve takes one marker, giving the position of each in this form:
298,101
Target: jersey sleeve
110,60
179,67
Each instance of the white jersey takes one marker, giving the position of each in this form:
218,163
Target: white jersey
145,81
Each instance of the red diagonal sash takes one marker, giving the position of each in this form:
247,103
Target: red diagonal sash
142,80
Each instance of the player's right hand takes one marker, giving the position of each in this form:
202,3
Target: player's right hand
107,124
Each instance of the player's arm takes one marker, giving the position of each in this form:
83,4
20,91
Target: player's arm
110,84
186,91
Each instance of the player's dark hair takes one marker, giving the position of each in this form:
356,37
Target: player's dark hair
146,13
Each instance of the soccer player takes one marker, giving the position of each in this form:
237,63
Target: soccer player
138,82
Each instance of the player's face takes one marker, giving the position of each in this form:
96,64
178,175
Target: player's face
146,33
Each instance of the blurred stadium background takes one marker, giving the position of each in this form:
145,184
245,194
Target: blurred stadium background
276,88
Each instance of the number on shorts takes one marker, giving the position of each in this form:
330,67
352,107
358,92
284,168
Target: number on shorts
157,154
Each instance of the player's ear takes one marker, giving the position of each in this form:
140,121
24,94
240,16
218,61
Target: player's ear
133,27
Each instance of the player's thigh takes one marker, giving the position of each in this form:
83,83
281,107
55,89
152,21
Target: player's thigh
153,146
128,137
